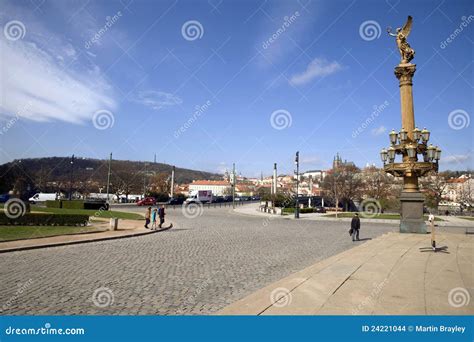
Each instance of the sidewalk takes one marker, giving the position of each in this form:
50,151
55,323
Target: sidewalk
385,276
252,209
127,228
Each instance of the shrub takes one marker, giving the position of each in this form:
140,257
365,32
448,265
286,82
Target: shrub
302,210
46,219
53,204
74,204
96,205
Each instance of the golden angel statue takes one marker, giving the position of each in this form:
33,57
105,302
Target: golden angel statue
406,52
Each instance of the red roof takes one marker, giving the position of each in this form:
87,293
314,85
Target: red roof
209,182
456,180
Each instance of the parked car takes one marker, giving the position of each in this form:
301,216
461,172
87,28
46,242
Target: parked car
175,201
147,201
218,199
4,198
320,210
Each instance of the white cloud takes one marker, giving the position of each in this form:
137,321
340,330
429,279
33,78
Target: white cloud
310,160
379,130
157,99
319,67
456,159
39,82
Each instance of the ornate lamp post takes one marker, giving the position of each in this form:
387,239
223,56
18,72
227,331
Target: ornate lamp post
297,172
409,143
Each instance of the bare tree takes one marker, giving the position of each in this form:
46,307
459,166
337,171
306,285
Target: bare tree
343,184
434,186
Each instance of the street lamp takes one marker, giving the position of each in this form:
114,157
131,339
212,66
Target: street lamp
425,135
403,136
411,151
393,137
438,154
297,163
384,155
431,152
391,154
416,134
72,176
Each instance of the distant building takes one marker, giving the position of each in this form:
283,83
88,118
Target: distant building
218,188
337,162
315,174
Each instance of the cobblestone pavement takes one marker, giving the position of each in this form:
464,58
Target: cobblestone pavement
198,267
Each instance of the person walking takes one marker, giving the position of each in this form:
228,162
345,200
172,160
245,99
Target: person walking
355,226
147,217
161,214
154,213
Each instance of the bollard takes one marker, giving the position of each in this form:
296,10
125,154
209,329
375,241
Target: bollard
113,223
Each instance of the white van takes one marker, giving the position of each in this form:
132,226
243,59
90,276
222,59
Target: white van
42,196
203,196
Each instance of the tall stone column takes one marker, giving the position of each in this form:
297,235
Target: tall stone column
411,199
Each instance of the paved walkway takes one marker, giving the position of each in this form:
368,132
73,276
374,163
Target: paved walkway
127,228
385,276
252,209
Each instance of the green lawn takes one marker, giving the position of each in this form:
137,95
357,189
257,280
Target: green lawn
92,213
378,216
467,218
9,233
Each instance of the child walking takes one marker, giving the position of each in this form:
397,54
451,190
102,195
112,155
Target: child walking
153,218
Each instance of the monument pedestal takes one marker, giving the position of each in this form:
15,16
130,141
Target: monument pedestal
411,211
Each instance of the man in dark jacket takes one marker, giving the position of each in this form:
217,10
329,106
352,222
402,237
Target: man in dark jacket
355,226
161,214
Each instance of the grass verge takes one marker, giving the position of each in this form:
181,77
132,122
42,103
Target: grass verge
378,216
92,213
10,233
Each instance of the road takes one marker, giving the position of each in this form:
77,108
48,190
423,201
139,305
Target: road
198,267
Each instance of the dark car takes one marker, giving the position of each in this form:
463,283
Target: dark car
320,210
175,201
4,198
147,201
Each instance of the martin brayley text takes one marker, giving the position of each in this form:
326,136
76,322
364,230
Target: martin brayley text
441,328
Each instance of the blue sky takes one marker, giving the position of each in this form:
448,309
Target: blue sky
268,77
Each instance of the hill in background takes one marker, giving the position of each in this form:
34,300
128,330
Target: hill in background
55,173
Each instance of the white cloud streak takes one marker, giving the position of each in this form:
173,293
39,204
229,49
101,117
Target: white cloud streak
157,99
46,80
319,67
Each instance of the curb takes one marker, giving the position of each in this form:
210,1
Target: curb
59,244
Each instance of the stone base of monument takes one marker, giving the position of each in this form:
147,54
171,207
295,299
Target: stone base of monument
411,220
